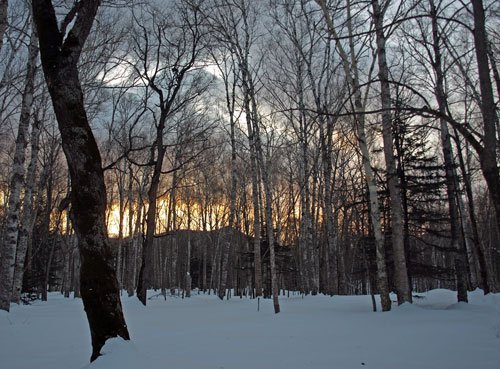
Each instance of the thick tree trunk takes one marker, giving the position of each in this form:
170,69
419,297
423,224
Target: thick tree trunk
99,287
488,158
8,260
401,279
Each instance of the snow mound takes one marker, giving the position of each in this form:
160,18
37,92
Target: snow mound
118,353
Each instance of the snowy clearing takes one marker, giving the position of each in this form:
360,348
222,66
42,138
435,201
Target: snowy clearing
314,332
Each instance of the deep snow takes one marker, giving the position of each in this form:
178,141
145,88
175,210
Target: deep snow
315,332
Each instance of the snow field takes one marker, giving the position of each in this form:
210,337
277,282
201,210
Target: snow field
314,332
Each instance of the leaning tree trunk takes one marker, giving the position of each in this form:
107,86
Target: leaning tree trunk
401,279
8,260
60,54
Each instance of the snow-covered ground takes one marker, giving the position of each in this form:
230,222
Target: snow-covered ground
315,332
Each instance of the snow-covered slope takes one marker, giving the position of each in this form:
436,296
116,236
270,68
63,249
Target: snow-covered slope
310,333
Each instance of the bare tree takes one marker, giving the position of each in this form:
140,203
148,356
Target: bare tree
400,270
60,51
9,245
234,25
164,64
451,180
351,71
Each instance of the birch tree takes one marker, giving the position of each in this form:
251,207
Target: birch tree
351,72
400,270
8,261
234,24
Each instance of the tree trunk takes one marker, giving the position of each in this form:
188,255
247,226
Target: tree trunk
60,54
230,101
449,164
4,5
8,260
350,67
487,160
255,186
268,210
486,274
119,256
401,280
131,246
146,272
270,239
29,214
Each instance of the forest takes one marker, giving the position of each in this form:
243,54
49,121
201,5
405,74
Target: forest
247,149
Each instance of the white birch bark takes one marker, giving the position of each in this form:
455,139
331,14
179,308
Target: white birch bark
9,245
230,105
349,64
401,279
28,217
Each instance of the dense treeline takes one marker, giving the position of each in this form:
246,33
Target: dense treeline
333,147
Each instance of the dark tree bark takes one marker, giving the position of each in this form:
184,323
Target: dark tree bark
60,52
4,5
487,160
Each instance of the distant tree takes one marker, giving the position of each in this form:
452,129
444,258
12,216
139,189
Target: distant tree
166,51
